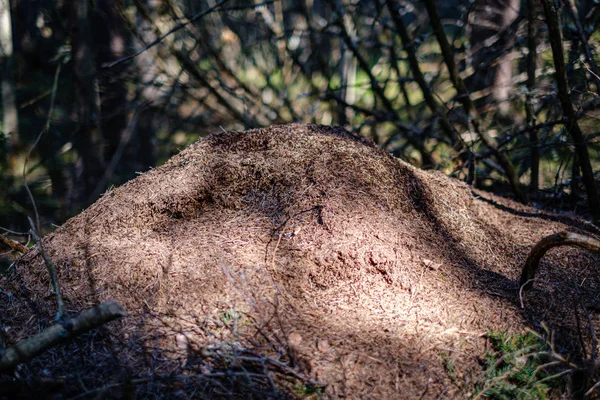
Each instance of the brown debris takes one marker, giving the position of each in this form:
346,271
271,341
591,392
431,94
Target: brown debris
310,232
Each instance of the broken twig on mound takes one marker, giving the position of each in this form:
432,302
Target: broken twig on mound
33,346
555,240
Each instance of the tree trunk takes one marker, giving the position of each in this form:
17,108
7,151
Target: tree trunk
463,96
531,67
504,75
583,157
347,68
491,24
88,141
10,116
112,40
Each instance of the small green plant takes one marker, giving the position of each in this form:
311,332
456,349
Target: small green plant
229,316
516,368
307,391
450,369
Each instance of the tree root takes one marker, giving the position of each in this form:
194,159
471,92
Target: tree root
558,239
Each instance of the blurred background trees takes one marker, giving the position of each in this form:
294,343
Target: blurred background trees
500,93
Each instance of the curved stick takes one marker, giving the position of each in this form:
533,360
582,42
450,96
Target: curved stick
555,240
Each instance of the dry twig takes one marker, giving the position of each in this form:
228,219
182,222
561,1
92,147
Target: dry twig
33,346
464,97
12,244
51,270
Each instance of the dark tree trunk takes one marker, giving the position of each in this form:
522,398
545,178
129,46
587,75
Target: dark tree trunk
88,137
465,98
113,40
531,67
581,150
10,116
491,23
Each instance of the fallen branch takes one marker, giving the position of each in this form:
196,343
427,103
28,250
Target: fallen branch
33,346
555,240
13,245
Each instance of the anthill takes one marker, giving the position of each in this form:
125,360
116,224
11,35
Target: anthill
255,260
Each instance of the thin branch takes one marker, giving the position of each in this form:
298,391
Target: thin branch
593,69
409,47
37,140
465,99
162,37
192,69
110,168
35,227
591,391
509,137
51,270
530,114
10,232
362,62
578,324
590,325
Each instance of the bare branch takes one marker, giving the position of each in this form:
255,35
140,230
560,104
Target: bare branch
465,98
530,114
593,69
14,245
33,346
51,270
409,47
37,140
162,37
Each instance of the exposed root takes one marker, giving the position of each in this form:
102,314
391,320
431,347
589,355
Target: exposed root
558,239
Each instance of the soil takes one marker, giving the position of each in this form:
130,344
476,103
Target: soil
302,245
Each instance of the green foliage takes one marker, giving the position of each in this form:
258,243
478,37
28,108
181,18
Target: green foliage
515,368
307,391
229,316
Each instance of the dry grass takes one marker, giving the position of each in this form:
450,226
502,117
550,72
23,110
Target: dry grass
301,245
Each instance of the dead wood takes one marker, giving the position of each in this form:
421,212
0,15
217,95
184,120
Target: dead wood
12,244
33,346
558,239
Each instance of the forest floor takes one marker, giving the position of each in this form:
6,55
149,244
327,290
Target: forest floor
298,261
